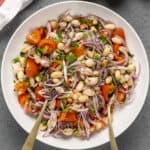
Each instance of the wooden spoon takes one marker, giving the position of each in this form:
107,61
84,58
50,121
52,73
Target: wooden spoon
28,144
113,143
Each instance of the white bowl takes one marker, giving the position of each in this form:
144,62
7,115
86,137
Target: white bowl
122,118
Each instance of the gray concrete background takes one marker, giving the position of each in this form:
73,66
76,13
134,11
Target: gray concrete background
137,137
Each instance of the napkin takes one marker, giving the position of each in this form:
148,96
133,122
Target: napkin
9,9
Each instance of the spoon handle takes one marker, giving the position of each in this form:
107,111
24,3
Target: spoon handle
113,143
28,144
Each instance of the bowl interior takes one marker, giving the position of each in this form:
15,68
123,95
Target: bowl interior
123,118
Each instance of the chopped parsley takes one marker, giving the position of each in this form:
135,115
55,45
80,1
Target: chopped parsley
41,77
44,122
86,21
22,54
15,60
74,44
39,51
91,108
97,56
70,58
67,110
103,39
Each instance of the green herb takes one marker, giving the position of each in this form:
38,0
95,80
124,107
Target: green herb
76,133
71,58
58,37
74,44
71,70
41,77
64,96
130,54
15,60
44,122
64,103
86,21
60,57
103,39
67,110
97,56
22,54
59,33
57,40
91,108
39,51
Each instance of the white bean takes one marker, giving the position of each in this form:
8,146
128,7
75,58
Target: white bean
91,81
131,67
107,50
59,89
83,98
20,75
89,92
110,26
52,35
53,24
22,61
117,75
80,58
68,131
108,80
93,29
17,67
60,46
55,80
89,63
79,36
117,40
75,23
62,24
79,86
56,74
32,82
68,18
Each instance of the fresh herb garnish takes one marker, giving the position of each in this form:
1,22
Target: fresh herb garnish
41,76
64,103
74,44
44,122
86,21
103,39
59,33
15,60
97,56
22,54
67,110
70,58
60,55
130,54
91,108
63,96
39,51
58,37
71,70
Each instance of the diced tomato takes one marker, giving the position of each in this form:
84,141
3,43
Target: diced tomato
105,32
35,36
38,96
106,90
48,45
120,32
79,51
58,103
21,86
68,117
116,48
121,97
28,109
31,68
23,98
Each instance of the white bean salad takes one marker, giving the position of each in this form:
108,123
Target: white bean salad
80,64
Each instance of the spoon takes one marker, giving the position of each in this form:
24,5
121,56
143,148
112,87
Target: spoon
113,143
28,144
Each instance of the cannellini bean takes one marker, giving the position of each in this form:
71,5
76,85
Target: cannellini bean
75,96
32,82
68,131
130,82
117,40
93,29
80,58
20,75
90,62
111,56
122,48
86,71
126,77
107,50
122,79
91,81
117,75
90,53
95,73
125,85
52,35
53,24
44,62
108,80
61,46
131,67
122,71
68,18
37,59
59,89
83,26
62,24
95,22
17,67
92,129
78,36
80,86
69,100
83,98
22,61
55,80
26,48
56,74
75,23
89,92
42,127
110,26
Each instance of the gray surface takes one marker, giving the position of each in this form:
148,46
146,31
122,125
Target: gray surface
137,137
